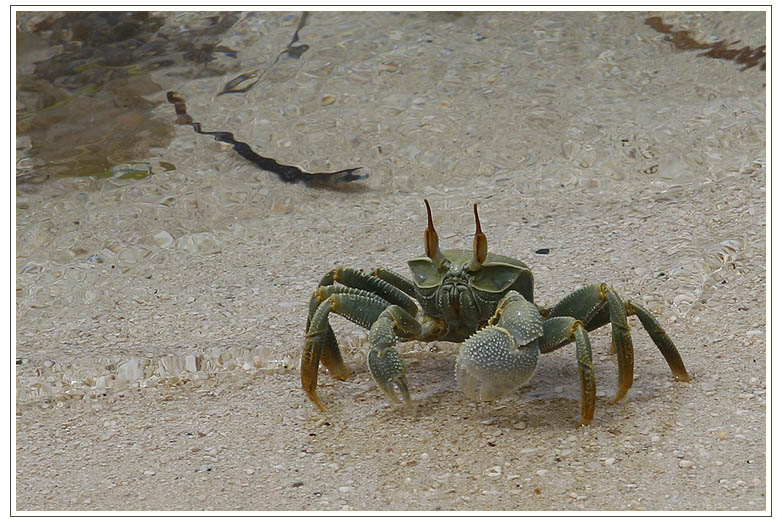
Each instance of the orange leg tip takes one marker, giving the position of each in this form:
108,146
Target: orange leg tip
315,399
338,371
620,394
682,377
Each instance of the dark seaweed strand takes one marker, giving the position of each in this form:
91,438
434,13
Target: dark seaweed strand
294,51
286,173
746,56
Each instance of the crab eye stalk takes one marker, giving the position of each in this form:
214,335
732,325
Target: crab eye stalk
431,242
480,247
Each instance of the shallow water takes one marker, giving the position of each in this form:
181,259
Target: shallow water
587,134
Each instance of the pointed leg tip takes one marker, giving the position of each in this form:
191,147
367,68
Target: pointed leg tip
620,394
341,373
682,377
313,396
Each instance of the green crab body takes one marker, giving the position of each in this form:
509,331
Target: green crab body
484,301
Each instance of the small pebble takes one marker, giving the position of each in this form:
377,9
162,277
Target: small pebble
345,489
327,100
163,239
686,464
609,461
495,471
520,425
541,472
389,67
249,471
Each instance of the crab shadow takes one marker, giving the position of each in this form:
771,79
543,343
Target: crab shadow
550,400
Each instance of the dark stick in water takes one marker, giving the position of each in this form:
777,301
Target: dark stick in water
286,173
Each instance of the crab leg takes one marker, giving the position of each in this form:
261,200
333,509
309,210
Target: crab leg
377,285
321,344
661,339
598,304
562,330
395,280
358,306
385,363
588,306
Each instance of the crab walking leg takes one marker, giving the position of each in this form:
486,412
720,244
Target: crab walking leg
373,284
358,306
396,280
588,305
562,330
661,339
620,339
385,363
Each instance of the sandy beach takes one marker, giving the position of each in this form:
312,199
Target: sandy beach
160,321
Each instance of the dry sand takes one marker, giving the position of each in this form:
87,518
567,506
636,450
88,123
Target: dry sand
160,321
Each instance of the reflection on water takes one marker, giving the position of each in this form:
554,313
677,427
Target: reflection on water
84,93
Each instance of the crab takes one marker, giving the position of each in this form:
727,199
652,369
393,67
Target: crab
483,301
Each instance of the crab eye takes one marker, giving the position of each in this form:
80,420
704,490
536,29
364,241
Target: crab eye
425,272
495,277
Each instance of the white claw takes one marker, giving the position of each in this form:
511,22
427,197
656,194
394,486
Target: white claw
489,365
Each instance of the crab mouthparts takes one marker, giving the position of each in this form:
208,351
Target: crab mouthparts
454,293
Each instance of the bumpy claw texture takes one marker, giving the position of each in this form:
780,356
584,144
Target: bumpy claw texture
388,370
500,358
385,363
489,365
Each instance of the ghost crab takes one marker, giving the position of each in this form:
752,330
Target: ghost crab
483,300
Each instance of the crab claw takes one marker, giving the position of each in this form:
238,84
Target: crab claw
489,365
388,370
503,356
